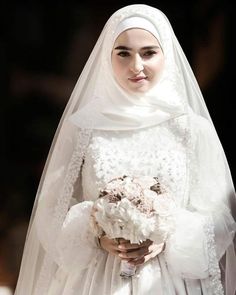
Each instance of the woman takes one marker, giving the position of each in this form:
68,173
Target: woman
136,110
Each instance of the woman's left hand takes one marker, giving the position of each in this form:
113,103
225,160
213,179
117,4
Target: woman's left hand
137,254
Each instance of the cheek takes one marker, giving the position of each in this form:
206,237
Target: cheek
158,67
118,69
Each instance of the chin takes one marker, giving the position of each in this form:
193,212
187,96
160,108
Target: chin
140,90
136,90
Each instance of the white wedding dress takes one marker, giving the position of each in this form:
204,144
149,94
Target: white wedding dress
191,254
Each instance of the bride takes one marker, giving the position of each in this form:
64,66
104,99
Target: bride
136,110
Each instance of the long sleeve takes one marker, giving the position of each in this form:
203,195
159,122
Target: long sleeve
76,244
61,186
205,228
186,248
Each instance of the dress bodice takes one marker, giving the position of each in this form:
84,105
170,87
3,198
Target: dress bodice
154,151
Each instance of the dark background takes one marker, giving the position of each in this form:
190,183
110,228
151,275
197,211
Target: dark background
43,48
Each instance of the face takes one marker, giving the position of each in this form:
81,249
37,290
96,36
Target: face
137,60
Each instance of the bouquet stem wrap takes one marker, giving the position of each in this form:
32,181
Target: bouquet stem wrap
126,269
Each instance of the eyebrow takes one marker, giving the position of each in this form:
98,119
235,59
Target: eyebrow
143,48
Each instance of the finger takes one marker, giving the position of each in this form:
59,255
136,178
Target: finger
127,247
146,243
109,245
137,262
123,241
151,252
134,254
142,260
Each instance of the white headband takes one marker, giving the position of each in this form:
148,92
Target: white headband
136,22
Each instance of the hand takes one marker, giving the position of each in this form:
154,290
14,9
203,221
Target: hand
138,254
110,245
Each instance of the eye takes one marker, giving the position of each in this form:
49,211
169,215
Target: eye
149,53
123,53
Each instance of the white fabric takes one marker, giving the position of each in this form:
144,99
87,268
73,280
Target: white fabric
107,132
135,22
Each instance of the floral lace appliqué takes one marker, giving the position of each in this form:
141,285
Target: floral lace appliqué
215,285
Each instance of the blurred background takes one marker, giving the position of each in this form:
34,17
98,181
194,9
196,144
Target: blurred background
43,48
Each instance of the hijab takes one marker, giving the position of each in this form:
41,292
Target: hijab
113,108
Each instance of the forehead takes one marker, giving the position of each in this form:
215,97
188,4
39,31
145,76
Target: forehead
136,37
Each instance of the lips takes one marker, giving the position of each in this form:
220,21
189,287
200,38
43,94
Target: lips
138,79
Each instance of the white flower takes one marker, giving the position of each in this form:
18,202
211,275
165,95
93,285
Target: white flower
134,209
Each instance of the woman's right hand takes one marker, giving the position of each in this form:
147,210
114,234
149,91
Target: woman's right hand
110,245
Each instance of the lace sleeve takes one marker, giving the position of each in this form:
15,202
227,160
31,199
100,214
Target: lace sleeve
205,228
59,186
186,248
76,243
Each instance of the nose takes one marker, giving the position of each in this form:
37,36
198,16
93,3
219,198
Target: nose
136,65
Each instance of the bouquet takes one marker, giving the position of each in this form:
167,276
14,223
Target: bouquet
135,209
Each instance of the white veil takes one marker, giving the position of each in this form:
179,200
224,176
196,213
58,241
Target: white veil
98,102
